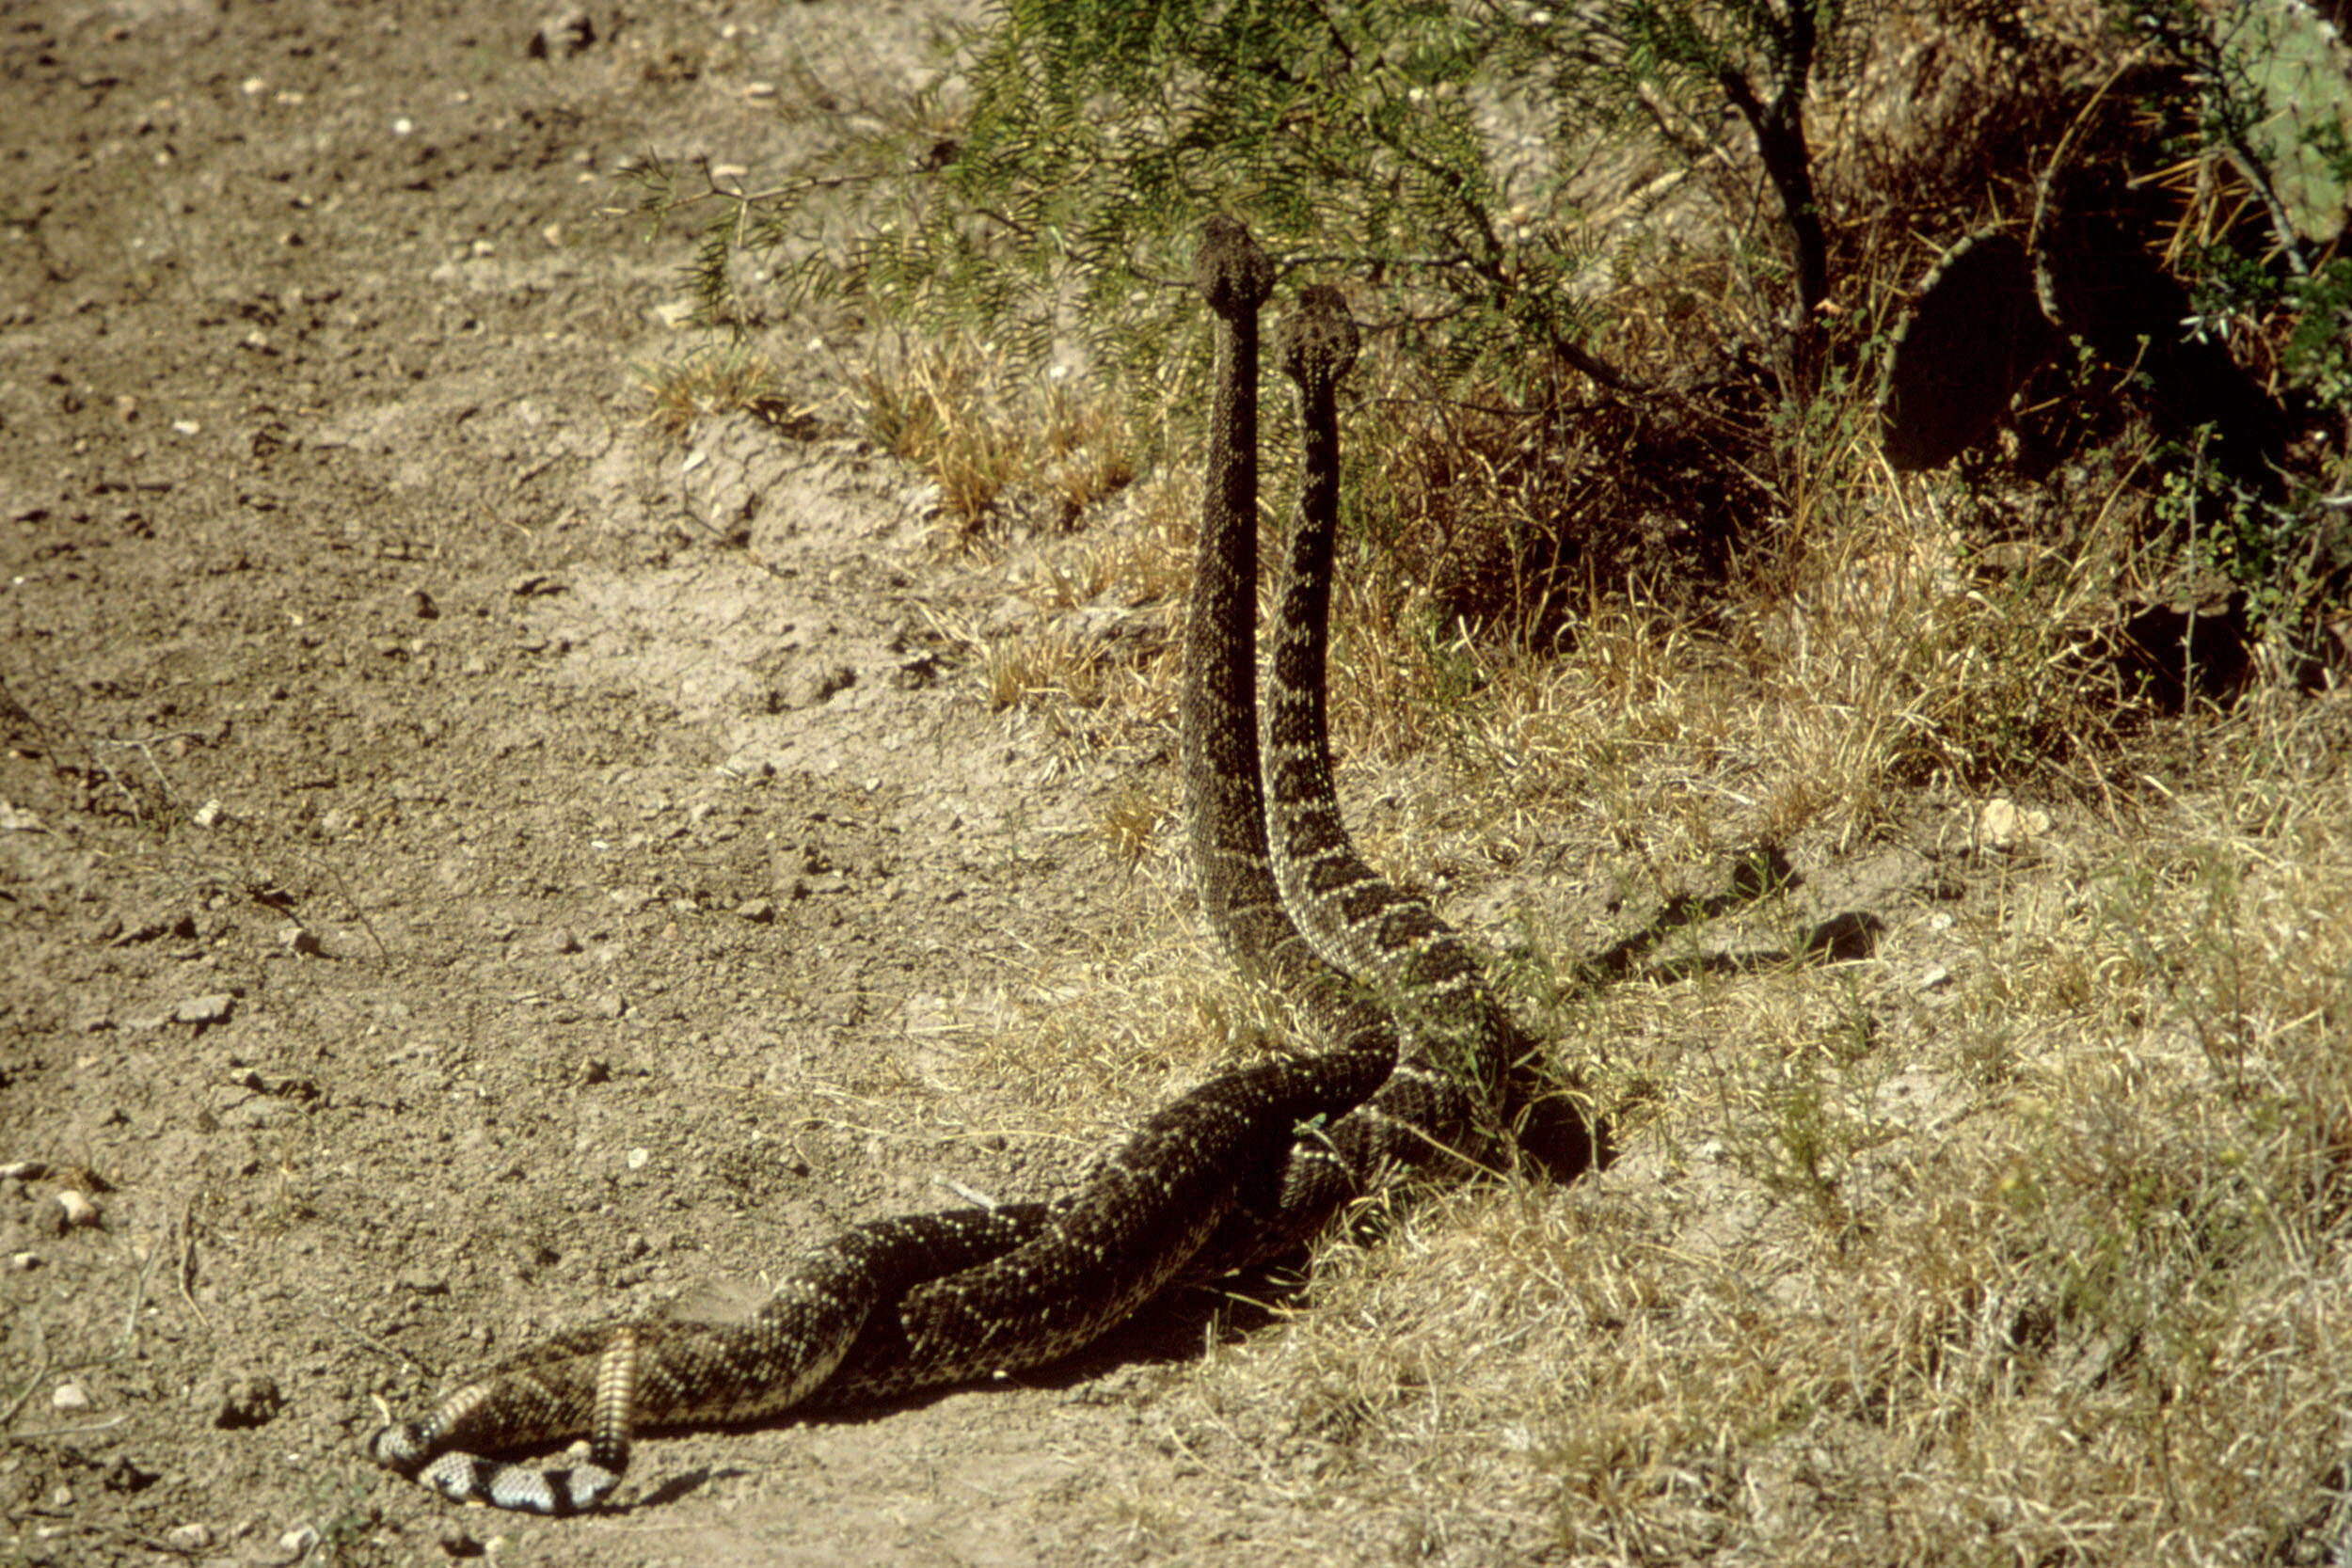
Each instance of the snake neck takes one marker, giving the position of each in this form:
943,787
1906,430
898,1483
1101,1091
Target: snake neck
1351,915
1219,729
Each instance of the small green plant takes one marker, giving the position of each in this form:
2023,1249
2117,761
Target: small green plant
348,1516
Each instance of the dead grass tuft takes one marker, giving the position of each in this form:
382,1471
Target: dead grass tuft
953,411
711,382
2043,1267
2015,1231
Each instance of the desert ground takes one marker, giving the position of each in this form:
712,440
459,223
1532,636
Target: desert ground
478,857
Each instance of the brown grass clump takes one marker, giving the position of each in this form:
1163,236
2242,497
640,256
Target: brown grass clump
2038,1261
1973,1028
709,382
1050,450
2014,1234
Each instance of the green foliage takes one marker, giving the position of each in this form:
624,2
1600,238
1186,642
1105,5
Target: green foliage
2263,546
2285,89
2319,353
1093,140
1414,146
2275,87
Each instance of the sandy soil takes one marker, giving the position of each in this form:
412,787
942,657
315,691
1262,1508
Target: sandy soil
451,887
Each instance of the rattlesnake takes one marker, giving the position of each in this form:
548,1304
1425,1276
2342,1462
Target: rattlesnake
1237,1171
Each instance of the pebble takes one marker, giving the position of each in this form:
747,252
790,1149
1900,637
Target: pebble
68,1396
562,33
211,1007
2004,826
188,1538
76,1209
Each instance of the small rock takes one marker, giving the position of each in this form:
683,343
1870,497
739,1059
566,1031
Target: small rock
1937,976
562,33
637,1158
560,939
759,911
298,1543
421,604
423,1282
2003,826
75,1208
297,938
24,1262
595,1070
188,1538
211,1007
611,1004
68,1396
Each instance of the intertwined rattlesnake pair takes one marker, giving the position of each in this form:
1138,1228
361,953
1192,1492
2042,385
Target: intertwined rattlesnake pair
1236,1172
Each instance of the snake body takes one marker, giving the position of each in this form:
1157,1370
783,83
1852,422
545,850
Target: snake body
1240,1169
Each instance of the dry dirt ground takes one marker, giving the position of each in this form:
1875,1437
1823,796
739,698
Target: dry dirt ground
452,887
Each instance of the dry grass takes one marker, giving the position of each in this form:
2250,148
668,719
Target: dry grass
714,382
2045,1266
948,410
2041,1263
2021,1239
